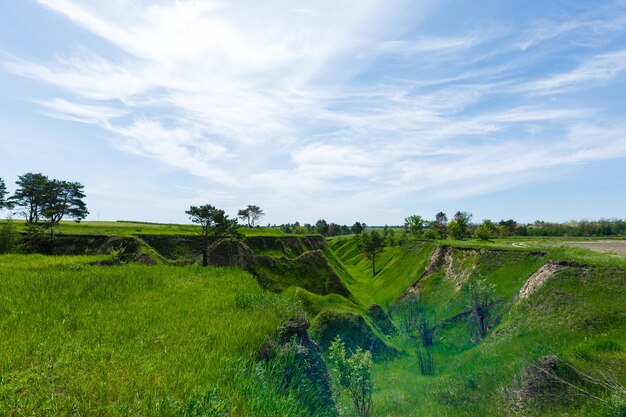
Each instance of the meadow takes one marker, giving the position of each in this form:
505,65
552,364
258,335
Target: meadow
83,335
80,339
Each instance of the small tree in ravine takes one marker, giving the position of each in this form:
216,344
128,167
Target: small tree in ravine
372,244
480,300
214,226
355,376
251,215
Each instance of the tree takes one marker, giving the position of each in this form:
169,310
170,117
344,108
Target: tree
321,227
440,223
415,224
63,199
487,230
3,193
463,219
372,244
357,228
481,297
251,214
355,376
454,230
30,195
214,225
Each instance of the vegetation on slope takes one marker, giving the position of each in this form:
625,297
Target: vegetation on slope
136,340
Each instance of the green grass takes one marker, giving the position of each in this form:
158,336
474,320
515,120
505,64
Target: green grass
132,340
128,228
397,269
579,312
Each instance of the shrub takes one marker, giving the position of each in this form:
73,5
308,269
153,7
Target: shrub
429,234
427,332
480,299
355,376
426,362
7,236
407,312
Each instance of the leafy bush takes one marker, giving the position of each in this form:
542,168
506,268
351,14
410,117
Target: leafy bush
7,236
355,376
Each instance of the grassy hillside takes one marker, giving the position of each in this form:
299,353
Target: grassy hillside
577,315
135,340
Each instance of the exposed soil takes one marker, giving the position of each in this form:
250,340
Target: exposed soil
537,279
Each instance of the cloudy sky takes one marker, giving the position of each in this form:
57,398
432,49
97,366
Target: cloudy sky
345,110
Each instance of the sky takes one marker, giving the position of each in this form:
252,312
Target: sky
370,110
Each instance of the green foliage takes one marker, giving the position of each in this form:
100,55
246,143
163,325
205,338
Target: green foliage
454,230
372,244
407,313
481,296
8,236
426,361
251,214
214,223
488,230
427,332
415,224
135,340
52,200
3,193
462,219
615,406
429,234
355,376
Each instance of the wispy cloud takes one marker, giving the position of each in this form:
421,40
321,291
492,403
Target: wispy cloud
331,98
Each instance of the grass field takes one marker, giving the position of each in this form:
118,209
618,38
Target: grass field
83,339
128,228
133,340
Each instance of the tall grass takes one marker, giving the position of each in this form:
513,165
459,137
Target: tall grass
134,340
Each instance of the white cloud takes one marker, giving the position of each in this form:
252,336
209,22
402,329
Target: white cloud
326,99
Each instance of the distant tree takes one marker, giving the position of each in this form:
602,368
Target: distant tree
462,218
391,237
214,224
440,225
333,229
414,224
508,226
30,195
429,234
63,199
385,231
251,214
454,230
3,193
372,244
487,230
321,227
403,238
357,228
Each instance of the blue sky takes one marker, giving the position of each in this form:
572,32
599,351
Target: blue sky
342,110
